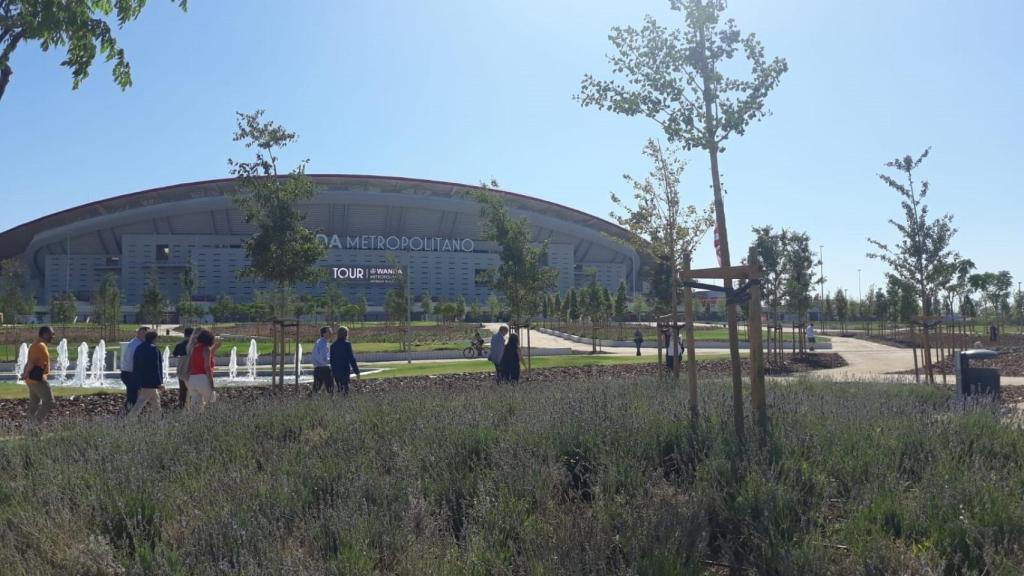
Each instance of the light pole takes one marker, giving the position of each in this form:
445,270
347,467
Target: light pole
821,268
860,297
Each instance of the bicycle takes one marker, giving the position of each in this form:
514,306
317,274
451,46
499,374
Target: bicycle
475,351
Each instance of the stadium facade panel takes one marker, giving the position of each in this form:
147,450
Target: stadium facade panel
364,221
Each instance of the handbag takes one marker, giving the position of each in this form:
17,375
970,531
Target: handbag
36,373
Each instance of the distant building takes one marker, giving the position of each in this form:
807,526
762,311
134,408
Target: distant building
361,219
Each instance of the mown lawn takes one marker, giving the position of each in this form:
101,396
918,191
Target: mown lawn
15,390
626,332
591,476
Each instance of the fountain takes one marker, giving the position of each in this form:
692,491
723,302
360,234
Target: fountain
167,364
19,366
233,364
298,362
81,365
62,360
97,372
251,358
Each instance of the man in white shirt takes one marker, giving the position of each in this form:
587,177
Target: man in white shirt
810,336
497,349
128,365
321,359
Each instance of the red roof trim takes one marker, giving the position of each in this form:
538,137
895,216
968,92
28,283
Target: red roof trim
371,177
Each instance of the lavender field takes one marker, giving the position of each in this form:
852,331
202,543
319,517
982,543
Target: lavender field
589,476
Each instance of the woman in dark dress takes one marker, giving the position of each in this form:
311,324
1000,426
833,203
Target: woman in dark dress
511,359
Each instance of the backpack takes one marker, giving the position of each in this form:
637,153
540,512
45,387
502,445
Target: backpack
182,369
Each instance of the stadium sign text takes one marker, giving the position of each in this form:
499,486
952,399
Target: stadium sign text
411,243
371,274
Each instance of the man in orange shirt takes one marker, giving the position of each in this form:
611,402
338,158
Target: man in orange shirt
40,397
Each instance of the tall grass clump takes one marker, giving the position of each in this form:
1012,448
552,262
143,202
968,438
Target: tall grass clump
591,476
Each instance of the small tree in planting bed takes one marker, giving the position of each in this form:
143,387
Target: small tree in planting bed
799,263
660,223
674,77
14,295
282,251
63,309
923,258
521,278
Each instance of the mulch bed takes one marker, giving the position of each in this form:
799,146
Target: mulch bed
12,412
1010,363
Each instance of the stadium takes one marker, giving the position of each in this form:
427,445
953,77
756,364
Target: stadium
365,222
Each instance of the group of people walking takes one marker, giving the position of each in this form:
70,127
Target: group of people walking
506,356
142,369
142,372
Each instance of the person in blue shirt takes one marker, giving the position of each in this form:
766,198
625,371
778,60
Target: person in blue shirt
343,360
128,366
147,375
321,359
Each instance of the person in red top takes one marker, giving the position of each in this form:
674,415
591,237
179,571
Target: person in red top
200,370
40,397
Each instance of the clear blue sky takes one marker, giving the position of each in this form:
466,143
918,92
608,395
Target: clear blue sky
466,90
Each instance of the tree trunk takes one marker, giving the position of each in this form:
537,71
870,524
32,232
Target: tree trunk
673,336
5,78
711,144
730,310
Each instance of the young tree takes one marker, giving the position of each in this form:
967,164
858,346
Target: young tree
333,303
923,258
187,311
427,305
660,224
638,307
460,309
619,307
995,288
771,249
493,306
224,309
474,310
842,309
63,309
521,278
557,309
675,77
575,310
152,308
83,27
363,307
799,263
282,251
959,285
396,301
106,302
15,298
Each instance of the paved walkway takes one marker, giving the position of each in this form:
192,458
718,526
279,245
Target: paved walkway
873,361
540,340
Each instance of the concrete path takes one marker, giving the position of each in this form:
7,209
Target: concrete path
539,340
873,361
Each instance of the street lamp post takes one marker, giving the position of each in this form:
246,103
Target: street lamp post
860,298
821,268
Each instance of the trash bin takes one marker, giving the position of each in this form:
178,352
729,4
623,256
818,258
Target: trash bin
971,380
